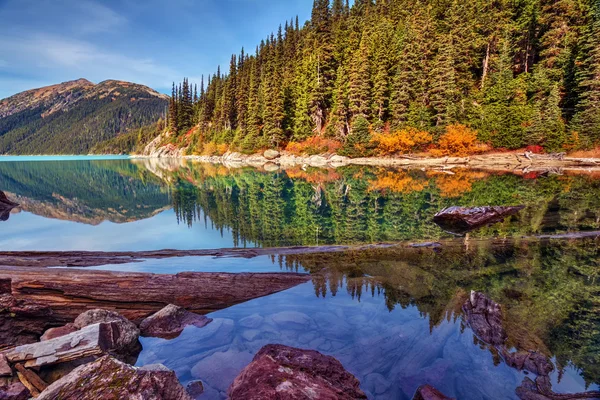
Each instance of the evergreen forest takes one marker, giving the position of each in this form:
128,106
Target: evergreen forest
510,73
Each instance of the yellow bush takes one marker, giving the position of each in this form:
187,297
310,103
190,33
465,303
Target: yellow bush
209,149
402,141
459,140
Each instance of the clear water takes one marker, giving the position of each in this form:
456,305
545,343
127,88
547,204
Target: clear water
391,316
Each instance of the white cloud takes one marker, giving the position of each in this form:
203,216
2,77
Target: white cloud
84,59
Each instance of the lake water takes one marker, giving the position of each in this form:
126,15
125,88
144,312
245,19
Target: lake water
392,316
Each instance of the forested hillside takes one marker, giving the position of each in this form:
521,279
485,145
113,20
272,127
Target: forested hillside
72,117
514,73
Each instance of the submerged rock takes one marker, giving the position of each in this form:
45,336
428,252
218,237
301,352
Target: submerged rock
427,392
169,322
279,371
484,316
195,389
461,220
108,378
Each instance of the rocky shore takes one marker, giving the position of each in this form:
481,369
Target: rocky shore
272,160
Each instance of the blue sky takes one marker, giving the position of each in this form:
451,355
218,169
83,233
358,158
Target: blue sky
152,42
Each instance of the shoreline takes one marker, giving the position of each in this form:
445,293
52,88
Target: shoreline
494,161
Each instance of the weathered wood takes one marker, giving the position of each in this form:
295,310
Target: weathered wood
90,341
31,377
70,292
32,389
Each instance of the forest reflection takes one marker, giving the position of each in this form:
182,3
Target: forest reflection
549,290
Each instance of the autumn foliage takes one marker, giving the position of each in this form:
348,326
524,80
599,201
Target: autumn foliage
459,141
407,140
314,145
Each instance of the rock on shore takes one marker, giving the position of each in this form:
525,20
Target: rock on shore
279,371
108,378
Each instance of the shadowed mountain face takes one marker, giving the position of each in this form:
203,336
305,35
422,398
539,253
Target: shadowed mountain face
71,117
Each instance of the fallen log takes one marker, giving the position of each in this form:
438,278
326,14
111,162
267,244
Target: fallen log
70,292
462,220
93,340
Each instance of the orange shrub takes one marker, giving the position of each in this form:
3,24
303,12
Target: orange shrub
314,145
403,141
222,149
459,140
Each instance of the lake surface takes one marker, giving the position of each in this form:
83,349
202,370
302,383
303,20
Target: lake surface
392,316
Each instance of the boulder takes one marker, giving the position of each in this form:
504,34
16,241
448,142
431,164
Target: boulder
169,322
271,154
484,316
108,378
461,220
127,344
427,392
14,391
279,371
53,333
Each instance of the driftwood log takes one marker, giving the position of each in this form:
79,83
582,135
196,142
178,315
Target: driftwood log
70,292
92,340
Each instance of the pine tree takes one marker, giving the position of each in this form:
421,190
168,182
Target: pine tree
587,118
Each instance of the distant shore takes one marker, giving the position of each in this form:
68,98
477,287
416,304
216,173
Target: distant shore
510,161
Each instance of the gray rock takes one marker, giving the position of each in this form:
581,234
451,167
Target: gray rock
271,154
5,369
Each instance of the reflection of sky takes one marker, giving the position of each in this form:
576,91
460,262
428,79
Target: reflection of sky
199,264
26,231
391,353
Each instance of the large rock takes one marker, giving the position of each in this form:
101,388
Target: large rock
127,344
461,219
108,378
169,322
14,391
427,392
484,316
271,154
284,372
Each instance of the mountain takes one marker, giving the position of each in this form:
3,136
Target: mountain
71,117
